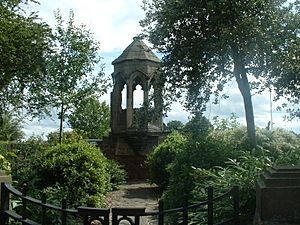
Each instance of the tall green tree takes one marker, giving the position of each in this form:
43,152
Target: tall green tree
206,43
24,43
175,125
11,129
71,67
92,117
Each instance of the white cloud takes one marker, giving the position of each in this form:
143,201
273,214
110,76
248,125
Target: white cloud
113,22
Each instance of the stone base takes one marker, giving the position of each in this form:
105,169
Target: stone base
130,149
277,196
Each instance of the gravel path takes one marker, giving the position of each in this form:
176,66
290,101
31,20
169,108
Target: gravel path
138,194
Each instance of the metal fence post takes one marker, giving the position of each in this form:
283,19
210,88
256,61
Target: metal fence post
64,212
185,211
161,212
44,209
24,203
210,206
236,205
4,204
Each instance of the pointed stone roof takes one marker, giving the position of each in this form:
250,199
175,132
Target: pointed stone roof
137,50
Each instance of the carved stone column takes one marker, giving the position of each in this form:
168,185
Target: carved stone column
129,102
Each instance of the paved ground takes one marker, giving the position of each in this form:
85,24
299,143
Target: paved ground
138,194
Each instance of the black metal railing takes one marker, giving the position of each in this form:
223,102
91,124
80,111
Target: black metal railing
88,216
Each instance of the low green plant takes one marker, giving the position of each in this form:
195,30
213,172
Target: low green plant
116,172
69,137
222,159
5,164
161,158
204,153
77,172
243,172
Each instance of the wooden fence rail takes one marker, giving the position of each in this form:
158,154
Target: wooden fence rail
88,216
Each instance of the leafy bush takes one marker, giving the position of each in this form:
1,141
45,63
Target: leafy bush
198,127
160,159
77,172
68,137
10,127
277,142
117,173
4,164
210,156
203,153
242,172
22,155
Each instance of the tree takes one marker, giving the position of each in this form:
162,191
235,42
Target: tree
197,127
208,42
11,129
175,125
71,67
92,117
24,43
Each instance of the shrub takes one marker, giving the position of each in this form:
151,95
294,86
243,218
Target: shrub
160,159
277,142
276,147
4,164
198,127
68,137
78,172
22,155
243,172
203,153
116,172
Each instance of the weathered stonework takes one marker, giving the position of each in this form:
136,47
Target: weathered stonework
277,196
137,65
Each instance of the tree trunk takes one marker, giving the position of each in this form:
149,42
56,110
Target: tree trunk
61,123
244,87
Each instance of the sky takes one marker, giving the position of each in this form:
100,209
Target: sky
114,24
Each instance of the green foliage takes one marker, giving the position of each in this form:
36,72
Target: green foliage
223,159
117,174
10,128
78,172
197,127
278,143
92,117
175,125
5,164
160,159
207,43
225,123
243,172
202,153
24,41
69,137
71,67
22,156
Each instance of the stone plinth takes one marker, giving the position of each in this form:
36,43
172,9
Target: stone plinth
278,196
